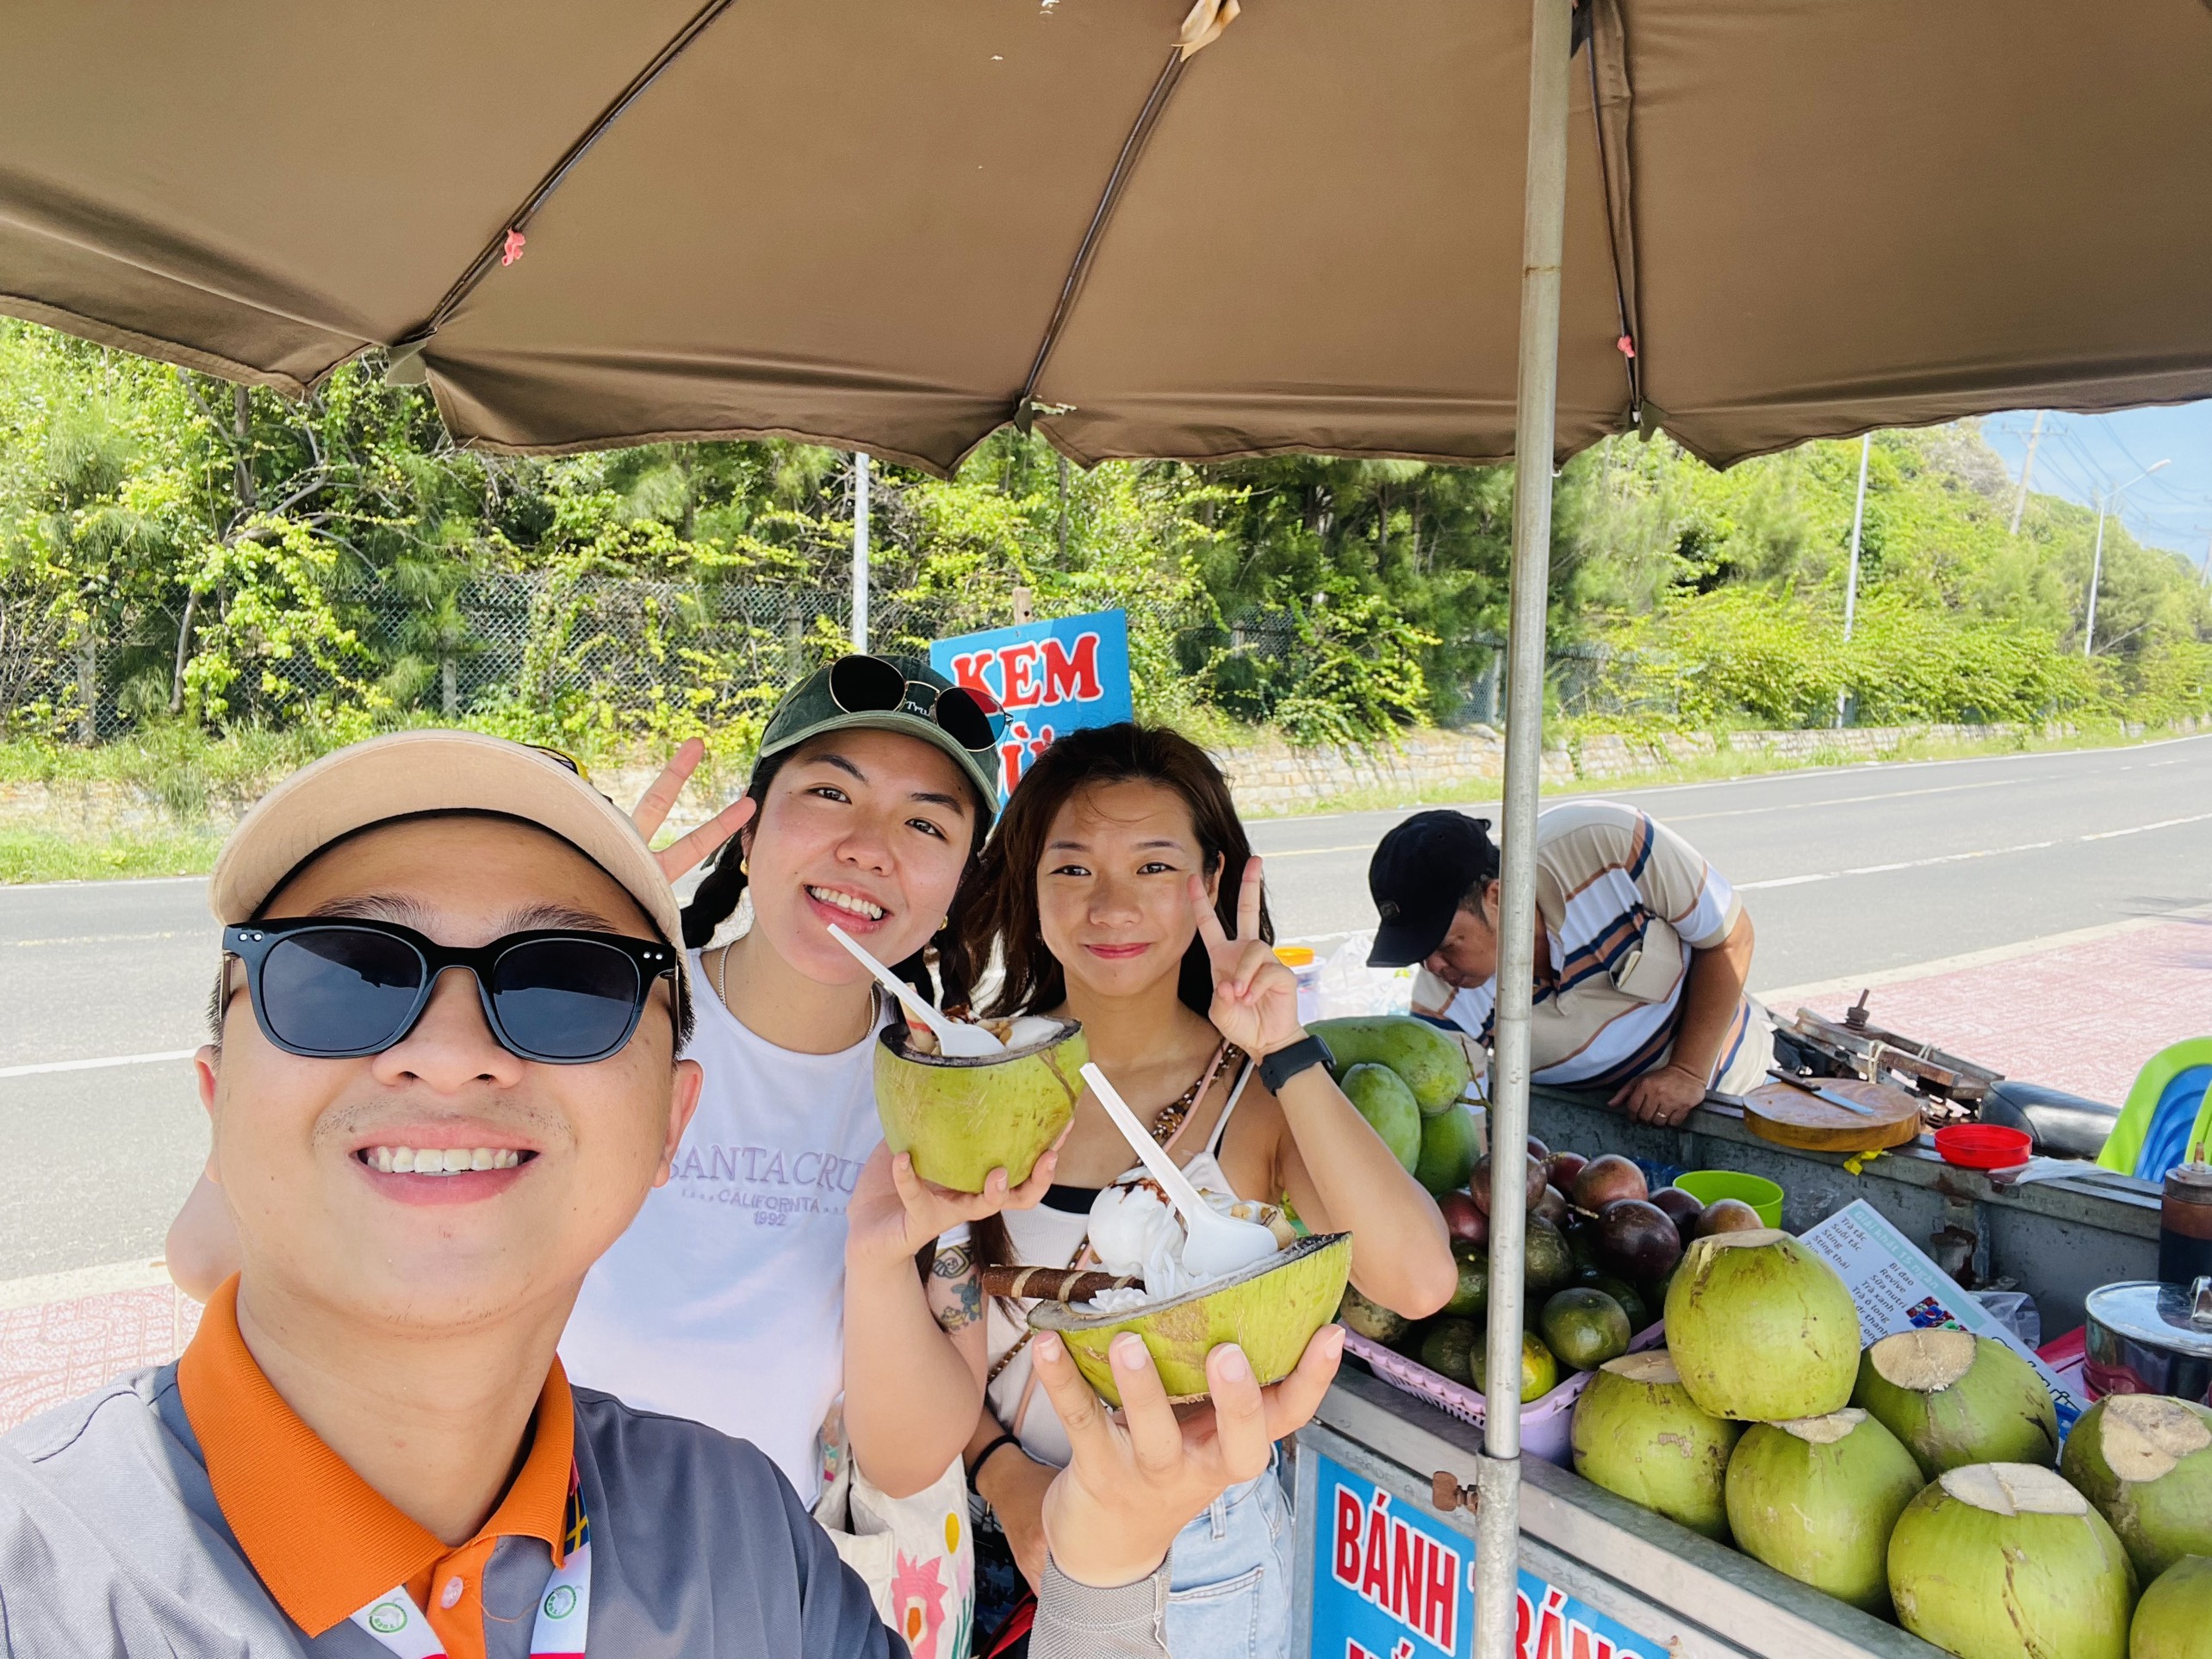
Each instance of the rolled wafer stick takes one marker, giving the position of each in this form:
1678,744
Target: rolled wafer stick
1050,1283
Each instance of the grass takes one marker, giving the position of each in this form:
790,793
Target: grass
40,855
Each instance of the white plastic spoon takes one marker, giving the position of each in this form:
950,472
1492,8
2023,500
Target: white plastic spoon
956,1039
1214,1244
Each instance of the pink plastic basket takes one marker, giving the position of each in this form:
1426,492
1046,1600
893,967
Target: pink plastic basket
1545,1423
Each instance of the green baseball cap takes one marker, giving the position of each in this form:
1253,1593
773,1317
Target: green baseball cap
895,693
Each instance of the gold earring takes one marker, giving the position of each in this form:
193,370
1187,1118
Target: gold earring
744,867
942,925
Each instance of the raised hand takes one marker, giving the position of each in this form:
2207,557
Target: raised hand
1255,996
1133,1485
681,856
893,1212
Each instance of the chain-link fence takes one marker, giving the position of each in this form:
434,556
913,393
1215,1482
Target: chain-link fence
612,648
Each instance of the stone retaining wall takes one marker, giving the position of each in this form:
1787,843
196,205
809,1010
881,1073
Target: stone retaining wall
1269,778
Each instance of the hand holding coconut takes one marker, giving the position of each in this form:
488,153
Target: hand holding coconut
1134,1482
893,1212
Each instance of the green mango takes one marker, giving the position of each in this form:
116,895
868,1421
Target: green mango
1449,1149
1432,1064
1381,1097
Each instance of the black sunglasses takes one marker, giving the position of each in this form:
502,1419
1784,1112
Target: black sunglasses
870,685
337,990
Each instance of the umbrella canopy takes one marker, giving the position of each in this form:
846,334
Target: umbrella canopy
895,224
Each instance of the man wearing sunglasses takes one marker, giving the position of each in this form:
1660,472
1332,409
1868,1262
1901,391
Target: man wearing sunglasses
447,1074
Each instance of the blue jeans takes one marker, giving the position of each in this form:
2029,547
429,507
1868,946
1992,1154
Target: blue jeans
1229,1577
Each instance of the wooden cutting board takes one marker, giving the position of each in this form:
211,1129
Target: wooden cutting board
1791,1117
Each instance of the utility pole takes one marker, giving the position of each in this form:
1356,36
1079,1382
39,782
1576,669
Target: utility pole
860,550
2026,470
2104,505
1851,587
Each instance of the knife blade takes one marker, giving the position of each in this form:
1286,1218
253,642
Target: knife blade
1820,1093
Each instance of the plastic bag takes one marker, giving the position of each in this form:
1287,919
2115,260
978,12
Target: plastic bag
2017,1311
1350,988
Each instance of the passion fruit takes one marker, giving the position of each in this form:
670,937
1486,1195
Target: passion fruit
1479,1184
1608,1179
1636,1240
1726,1215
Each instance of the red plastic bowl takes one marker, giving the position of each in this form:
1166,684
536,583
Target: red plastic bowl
1983,1146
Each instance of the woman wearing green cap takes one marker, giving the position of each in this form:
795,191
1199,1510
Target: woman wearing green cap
776,1270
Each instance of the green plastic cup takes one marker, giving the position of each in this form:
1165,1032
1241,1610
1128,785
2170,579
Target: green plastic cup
1711,1186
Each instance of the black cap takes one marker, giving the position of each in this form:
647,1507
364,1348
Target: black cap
1419,872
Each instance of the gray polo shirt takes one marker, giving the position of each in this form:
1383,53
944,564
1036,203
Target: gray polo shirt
111,1542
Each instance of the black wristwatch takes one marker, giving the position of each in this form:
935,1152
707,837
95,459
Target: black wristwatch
1284,1064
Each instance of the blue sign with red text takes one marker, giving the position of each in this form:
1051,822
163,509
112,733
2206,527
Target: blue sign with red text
1393,1583
1052,677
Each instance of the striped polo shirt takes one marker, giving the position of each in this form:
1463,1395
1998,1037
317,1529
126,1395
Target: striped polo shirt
1624,901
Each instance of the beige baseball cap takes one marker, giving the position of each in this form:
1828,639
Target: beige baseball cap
415,771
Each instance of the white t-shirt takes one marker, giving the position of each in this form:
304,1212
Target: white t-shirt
724,1301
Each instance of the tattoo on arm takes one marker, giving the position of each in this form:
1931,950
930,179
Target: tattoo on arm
956,1297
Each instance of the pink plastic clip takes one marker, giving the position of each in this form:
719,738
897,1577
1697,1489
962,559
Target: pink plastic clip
1627,347
511,250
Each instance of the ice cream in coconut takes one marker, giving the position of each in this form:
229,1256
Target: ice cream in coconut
963,1116
1270,1309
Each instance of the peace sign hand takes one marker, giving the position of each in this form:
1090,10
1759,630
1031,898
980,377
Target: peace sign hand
1255,995
678,857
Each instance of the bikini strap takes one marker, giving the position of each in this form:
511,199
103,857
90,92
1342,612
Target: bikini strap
1182,1108
1236,1093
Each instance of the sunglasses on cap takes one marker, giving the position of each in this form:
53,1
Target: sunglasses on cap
869,685
328,989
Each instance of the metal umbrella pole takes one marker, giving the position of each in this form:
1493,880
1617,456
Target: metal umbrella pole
860,551
1497,1556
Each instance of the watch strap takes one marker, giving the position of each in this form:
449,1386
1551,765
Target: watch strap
1284,1064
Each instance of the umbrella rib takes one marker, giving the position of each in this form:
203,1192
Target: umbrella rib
1125,163
1631,361
495,250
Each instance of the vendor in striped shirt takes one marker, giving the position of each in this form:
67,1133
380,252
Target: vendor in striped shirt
1642,950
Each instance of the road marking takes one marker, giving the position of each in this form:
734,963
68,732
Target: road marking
45,1068
1958,858
1315,852
117,881
93,939
1844,800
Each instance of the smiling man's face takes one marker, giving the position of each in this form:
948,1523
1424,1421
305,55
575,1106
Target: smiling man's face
304,1149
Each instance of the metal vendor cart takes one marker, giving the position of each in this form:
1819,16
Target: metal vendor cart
1385,1548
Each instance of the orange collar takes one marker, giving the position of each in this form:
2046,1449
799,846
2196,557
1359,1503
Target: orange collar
324,1541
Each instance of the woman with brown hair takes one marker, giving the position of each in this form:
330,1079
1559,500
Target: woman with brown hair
1119,890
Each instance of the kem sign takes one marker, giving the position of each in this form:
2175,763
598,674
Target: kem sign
1052,677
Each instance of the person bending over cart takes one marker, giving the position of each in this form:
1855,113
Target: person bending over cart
1642,950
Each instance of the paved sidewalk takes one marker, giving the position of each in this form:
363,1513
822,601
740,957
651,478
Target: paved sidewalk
2082,1016
53,1349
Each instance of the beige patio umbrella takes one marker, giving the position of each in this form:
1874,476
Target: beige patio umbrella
877,223
1409,227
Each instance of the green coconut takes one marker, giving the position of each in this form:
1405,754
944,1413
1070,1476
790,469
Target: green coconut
1380,1095
1954,1398
1761,1328
2174,1619
2006,1561
1637,1434
1816,1498
963,1117
2144,1460
1269,1309
1433,1065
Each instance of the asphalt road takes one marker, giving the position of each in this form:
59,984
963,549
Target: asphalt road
1845,871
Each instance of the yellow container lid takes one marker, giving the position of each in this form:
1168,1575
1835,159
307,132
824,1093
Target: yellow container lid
1296,956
